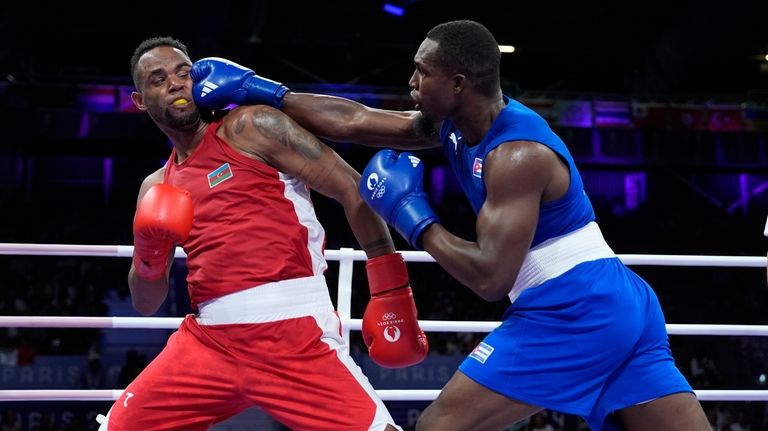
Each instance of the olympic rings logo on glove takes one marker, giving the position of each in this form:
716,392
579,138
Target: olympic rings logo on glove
389,316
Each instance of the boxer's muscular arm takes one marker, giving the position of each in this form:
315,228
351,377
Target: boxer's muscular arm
269,135
344,120
219,82
518,177
148,295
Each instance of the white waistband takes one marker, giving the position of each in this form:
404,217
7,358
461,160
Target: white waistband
268,302
555,256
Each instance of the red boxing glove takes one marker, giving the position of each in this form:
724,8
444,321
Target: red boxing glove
163,218
390,325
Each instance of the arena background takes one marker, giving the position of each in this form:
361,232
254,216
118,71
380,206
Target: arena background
663,104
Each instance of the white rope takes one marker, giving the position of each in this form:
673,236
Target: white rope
359,255
350,324
60,394
703,395
385,394
89,322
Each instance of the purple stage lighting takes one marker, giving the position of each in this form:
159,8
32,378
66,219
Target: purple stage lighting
393,9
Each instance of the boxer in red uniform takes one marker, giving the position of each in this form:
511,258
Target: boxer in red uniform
235,194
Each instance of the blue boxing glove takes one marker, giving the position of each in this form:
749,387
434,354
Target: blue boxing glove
218,83
391,184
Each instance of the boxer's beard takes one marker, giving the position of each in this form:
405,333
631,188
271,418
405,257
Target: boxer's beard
181,121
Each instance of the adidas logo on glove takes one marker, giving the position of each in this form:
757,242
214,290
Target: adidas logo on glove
208,86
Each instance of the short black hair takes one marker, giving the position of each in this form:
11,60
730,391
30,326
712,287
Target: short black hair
150,44
469,48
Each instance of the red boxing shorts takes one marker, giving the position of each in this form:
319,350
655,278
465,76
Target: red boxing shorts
277,346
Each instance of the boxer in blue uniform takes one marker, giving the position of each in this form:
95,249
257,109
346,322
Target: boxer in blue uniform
584,334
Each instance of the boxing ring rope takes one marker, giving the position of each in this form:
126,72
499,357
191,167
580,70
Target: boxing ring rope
385,394
346,257
352,324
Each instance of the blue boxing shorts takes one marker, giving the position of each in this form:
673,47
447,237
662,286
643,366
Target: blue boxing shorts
588,342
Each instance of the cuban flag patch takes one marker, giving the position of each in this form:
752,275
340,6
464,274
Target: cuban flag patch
477,167
482,352
221,174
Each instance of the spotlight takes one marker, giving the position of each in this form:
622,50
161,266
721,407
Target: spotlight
393,9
